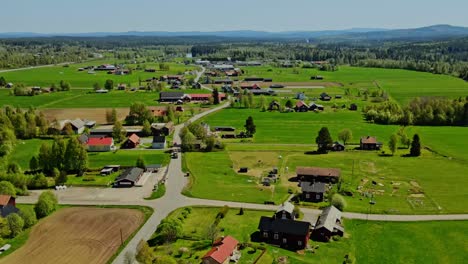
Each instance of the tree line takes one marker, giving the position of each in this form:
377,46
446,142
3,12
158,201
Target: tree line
432,111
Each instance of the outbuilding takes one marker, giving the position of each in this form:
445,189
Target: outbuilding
129,177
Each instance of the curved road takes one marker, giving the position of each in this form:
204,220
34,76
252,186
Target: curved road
174,199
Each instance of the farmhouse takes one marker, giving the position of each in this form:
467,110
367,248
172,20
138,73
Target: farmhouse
312,192
222,252
223,81
328,224
77,125
162,129
285,211
132,142
7,205
286,233
317,174
159,142
223,67
105,67
250,86
301,107
100,144
263,92
107,130
353,107
370,143
325,97
108,169
170,96
129,177
337,146
224,129
313,107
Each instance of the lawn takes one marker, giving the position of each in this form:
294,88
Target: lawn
81,79
429,184
127,158
217,179
401,84
369,242
91,179
25,149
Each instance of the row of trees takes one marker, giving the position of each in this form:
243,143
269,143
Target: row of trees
61,158
420,111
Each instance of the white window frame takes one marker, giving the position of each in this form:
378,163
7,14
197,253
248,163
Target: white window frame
276,236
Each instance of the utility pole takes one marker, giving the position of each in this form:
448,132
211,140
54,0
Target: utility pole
121,237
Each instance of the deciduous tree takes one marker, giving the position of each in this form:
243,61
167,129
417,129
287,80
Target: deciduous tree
345,135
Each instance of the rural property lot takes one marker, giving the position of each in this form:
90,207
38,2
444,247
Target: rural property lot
78,235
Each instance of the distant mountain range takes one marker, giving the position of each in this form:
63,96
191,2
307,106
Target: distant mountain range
355,34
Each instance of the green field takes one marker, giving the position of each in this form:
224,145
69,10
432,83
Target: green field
126,158
47,75
401,84
216,179
24,150
369,242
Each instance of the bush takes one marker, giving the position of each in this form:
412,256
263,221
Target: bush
7,188
46,204
28,216
338,201
38,181
222,213
15,223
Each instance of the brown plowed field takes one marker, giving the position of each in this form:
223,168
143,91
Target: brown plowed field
77,235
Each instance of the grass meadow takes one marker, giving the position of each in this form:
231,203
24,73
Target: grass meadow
369,242
402,85
81,79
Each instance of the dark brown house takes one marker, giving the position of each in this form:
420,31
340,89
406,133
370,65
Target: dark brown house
325,97
328,225
317,174
370,143
129,177
7,205
285,233
301,107
132,142
337,146
312,191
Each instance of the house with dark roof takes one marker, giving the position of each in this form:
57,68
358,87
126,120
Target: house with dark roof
325,97
369,143
162,129
337,146
263,92
353,107
132,142
100,144
314,107
129,177
159,142
171,97
7,205
328,225
286,233
223,251
250,86
317,174
301,107
312,191
224,129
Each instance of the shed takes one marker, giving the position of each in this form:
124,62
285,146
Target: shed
328,224
129,177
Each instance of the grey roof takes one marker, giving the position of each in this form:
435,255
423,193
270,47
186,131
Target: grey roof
317,187
285,226
286,206
83,138
153,166
159,139
171,95
329,218
130,174
7,210
77,123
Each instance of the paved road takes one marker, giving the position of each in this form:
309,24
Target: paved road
173,199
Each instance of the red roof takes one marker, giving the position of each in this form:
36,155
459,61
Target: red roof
100,141
4,199
299,103
222,249
134,138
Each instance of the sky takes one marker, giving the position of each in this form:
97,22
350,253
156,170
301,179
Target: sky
77,16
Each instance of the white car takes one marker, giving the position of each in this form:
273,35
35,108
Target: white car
5,248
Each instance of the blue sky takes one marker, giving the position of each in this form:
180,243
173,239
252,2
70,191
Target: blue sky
58,16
